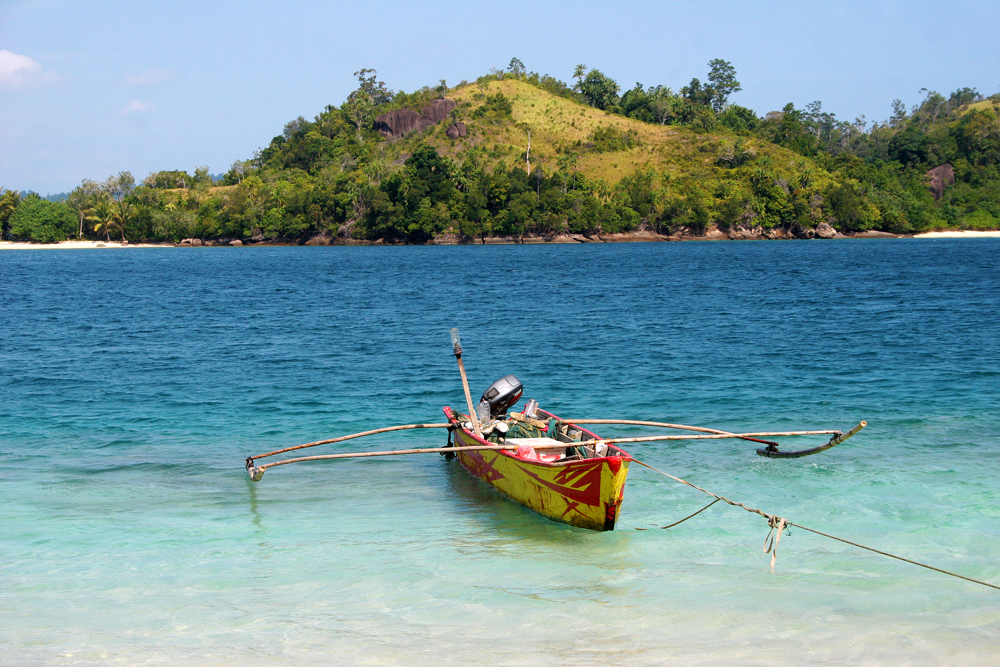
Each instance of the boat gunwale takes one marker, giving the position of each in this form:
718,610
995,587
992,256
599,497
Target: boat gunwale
622,455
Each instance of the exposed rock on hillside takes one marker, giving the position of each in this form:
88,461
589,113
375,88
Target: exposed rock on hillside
456,130
401,122
939,178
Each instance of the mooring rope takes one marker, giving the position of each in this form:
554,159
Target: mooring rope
779,524
690,516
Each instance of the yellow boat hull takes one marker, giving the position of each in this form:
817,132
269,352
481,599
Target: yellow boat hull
585,493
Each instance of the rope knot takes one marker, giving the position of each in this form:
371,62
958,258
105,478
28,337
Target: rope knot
771,541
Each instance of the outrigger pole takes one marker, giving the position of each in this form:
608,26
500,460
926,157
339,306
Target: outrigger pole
771,451
838,437
256,472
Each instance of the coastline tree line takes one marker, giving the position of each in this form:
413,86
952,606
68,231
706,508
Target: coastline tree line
333,174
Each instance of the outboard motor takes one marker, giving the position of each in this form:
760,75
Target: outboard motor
501,395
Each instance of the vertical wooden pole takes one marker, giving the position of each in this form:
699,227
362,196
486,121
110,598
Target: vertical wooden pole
457,344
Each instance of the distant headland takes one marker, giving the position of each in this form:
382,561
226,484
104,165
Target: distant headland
518,157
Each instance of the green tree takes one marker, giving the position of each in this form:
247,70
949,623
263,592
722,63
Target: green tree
81,199
739,119
786,128
41,221
847,207
722,76
697,93
9,201
909,146
599,90
963,96
201,176
123,213
121,186
977,135
108,214
361,103
102,214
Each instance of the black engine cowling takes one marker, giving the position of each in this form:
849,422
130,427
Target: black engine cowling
500,395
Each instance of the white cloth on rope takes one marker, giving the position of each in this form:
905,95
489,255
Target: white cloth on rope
771,541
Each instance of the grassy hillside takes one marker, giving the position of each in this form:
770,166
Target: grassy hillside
563,129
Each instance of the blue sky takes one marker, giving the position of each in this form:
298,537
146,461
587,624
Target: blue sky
88,89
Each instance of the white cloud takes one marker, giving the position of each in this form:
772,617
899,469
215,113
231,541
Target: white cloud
18,71
152,77
138,106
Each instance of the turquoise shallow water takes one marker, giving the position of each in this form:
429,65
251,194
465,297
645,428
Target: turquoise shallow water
134,382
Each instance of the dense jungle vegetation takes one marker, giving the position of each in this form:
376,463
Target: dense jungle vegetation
540,156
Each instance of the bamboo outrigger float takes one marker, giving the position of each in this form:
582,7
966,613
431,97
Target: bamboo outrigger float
553,466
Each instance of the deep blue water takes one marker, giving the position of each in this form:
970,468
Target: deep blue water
133,383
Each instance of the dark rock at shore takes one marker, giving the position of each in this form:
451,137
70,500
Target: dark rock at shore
445,239
323,238
940,178
800,232
872,234
345,230
744,231
401,122
632,237
713,233
456,130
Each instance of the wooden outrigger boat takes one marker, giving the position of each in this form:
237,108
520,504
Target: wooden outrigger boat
563,471
552,466
549,471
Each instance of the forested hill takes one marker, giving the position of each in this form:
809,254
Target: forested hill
516,154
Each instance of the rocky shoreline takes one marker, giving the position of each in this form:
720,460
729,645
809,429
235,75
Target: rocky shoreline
713,233
640,236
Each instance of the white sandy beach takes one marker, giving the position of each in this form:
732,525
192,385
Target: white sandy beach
14,245
955,235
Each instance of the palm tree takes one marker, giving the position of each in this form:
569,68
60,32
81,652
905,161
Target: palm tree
103,215
9,201
123,213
